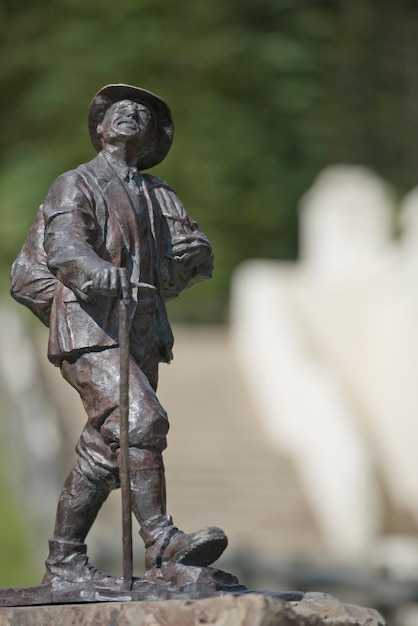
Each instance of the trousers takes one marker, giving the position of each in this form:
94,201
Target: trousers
95,375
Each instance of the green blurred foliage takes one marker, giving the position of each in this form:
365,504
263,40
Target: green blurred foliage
17,562
264,95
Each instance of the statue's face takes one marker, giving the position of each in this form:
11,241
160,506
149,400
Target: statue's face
128,121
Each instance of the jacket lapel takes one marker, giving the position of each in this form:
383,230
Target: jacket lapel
118,221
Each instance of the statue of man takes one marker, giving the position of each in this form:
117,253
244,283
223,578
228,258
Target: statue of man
103,216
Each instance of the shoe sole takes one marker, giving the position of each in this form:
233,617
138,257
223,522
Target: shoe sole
203,551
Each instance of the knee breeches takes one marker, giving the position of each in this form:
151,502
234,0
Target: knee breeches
95,375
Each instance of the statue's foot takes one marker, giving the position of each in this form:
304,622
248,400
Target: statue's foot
172,545
87,575
68,563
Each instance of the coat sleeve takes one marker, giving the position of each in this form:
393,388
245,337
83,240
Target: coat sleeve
71,232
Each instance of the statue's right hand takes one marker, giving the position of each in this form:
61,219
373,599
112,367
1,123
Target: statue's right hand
109,281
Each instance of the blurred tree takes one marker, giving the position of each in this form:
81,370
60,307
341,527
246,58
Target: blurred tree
264,95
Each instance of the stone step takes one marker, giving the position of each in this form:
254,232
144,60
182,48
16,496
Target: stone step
221,467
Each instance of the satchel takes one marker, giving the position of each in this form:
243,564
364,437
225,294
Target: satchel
187,256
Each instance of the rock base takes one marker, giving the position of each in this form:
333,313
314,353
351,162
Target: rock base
176,595
171,581
253,609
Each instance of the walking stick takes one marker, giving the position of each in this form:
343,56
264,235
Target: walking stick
124,431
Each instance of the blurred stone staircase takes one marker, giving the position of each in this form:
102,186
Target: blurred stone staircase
221,468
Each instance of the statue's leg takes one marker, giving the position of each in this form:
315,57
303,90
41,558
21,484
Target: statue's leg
78,506
163,541
147,435
86,487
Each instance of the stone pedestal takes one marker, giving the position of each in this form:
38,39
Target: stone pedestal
252,609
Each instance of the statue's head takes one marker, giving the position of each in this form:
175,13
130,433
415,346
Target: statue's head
126,113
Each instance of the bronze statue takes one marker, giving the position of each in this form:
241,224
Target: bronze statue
108,247
107,230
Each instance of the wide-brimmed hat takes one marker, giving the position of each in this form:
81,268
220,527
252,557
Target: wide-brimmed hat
110,94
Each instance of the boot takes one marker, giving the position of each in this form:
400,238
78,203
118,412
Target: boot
163,541
79,503
68,563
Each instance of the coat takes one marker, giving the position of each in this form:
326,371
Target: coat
91,222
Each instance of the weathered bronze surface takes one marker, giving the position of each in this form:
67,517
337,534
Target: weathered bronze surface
108,248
